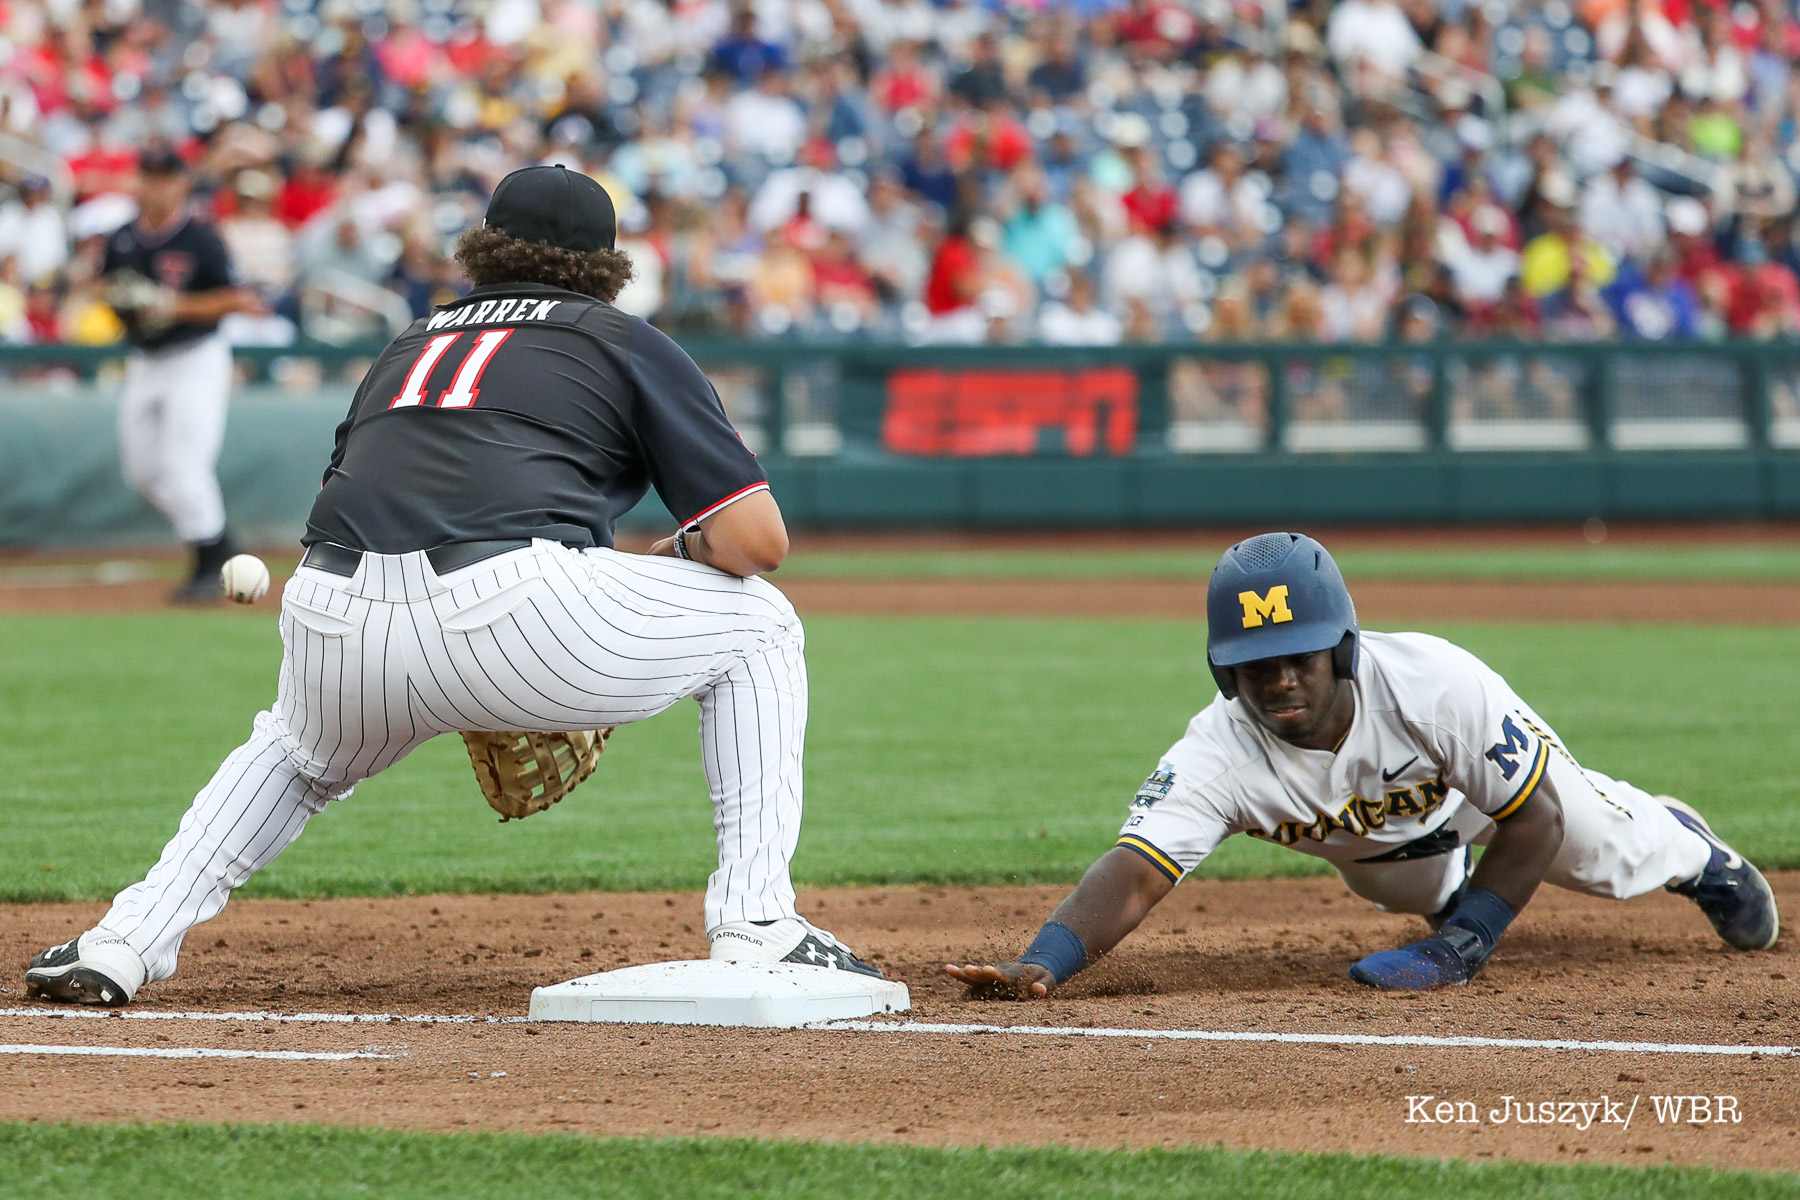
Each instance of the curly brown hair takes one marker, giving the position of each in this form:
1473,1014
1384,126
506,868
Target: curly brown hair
489,256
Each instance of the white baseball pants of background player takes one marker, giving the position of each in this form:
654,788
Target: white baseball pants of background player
1619,841
171,426
542,638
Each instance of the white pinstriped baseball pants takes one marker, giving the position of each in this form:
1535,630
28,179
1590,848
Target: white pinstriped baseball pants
543,638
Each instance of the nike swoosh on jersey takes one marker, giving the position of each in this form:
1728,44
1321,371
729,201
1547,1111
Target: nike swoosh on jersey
1390,776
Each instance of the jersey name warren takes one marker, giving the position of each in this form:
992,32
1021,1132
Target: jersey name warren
489,312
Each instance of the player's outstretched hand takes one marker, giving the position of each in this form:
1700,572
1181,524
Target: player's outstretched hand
1004,981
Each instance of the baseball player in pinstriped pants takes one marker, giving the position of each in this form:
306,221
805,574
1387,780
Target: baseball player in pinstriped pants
459,576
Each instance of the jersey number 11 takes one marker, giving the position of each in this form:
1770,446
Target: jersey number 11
466,385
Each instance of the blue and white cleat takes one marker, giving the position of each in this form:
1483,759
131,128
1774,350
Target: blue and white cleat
1732,893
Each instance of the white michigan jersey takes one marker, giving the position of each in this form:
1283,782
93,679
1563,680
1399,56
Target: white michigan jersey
1440,748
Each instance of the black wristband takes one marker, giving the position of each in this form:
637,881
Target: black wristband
1483,914
1467,945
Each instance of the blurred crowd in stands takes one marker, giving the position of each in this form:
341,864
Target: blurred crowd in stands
963,171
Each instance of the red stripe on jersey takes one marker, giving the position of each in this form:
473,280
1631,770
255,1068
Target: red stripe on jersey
710,510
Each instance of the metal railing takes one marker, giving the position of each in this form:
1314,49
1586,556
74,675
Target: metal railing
1435,66
35,160
1517,127
325,292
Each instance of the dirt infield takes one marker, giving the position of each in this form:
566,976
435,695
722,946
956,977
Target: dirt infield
1262,956
1376,601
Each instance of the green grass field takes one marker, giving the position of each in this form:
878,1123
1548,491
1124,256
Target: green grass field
182,1162
968,750
1747,562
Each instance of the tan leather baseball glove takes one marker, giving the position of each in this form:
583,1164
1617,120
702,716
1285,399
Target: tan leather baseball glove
143,305
525,773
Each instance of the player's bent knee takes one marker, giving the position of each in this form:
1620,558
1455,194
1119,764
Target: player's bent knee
139,475
1608,887
1421,896
1608,872
783,609
1405,907
323,780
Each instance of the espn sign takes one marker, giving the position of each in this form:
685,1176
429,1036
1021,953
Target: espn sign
979,412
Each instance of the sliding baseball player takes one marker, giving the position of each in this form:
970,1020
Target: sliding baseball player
1388,755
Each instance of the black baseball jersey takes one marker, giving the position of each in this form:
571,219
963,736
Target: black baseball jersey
191,259
526,411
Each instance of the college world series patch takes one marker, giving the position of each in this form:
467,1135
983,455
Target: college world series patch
1155,788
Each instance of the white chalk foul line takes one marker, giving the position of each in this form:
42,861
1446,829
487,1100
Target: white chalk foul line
1173,1035
190,1052
255,1017
1310,1039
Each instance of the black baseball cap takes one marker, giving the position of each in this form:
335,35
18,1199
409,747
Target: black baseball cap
162,161
556,206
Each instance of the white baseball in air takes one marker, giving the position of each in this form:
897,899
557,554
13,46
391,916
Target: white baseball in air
244,578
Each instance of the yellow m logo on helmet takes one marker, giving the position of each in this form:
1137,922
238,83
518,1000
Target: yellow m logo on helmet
1272,608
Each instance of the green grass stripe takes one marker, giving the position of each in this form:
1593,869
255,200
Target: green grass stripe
277,1162
1773,562
940,750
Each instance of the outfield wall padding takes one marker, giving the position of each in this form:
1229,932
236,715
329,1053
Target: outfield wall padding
60,482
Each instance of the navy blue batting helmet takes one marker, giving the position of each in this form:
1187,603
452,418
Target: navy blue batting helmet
1273,595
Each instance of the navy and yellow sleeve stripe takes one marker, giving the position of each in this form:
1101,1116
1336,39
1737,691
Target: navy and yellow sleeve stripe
1533,777
1162,862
